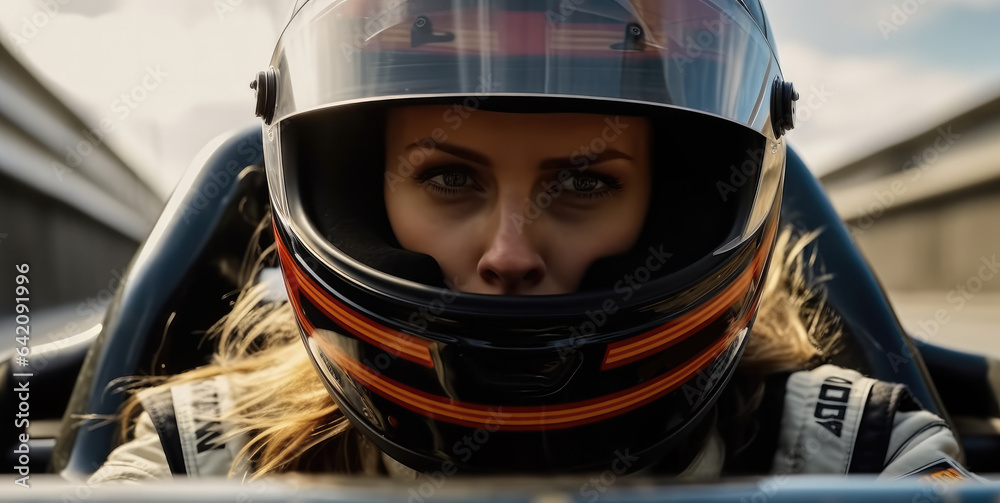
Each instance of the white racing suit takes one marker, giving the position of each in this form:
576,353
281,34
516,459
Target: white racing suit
833,421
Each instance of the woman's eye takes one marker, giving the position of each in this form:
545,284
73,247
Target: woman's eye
584,184
452,179
589,185
447,181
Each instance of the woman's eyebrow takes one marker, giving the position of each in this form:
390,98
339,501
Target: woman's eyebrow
455,150
608,154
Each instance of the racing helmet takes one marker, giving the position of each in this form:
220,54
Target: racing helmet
620,373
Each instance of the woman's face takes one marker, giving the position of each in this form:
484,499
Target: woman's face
516,204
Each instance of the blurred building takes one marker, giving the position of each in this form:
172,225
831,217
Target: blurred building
69,207
926,214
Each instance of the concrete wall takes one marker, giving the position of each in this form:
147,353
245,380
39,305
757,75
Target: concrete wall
926,211
72,256
75,219
939,245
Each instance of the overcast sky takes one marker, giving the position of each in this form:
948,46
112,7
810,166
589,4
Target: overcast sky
888,69
871,72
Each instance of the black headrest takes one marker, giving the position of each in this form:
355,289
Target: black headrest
179,283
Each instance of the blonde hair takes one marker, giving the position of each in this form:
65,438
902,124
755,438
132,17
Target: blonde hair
795,328
292,423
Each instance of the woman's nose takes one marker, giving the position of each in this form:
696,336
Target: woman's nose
511,263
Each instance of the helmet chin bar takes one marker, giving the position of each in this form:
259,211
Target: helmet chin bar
706,389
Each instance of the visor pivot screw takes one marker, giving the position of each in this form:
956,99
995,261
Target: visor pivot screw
783,98
266,89
422,32
634,39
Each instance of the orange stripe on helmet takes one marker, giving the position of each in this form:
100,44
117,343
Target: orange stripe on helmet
528,418
675,331
393,341
671,333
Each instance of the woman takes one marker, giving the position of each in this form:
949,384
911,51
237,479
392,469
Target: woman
579,204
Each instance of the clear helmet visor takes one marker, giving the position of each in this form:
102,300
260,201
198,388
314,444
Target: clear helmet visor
704,55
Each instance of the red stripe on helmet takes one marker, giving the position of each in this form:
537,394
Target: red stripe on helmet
660,338
521,418
393,341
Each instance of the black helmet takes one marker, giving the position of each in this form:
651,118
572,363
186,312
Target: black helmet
441,379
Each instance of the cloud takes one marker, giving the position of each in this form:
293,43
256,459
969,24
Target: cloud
878,89
90,8
870,102
859,26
